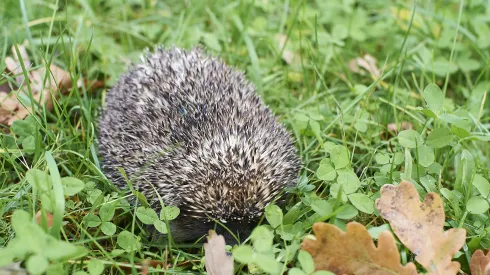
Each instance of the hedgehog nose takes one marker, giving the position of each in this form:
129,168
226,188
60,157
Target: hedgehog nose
229,239
240,231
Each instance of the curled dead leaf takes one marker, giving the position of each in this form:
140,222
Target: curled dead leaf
217,261
403,126
43,84
354,252
419,226
368,63
14,268
479,264
288,55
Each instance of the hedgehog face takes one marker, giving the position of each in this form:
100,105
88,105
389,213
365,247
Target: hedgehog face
190,228
223,209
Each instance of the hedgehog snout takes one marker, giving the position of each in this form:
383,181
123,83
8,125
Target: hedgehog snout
240,230
188,227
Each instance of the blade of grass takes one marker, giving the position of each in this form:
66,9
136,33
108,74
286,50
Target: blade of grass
59,198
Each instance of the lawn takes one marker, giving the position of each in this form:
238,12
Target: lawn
373,92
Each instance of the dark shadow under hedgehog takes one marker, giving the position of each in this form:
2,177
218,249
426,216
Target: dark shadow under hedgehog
188,126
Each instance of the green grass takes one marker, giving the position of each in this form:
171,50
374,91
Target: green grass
339,117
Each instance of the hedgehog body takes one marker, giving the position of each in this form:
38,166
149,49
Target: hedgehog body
193,129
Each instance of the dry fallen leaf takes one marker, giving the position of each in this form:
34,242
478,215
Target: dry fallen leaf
144,269
419,226
393,129
49,218
287,54
403,126
479,264
13,269
11,108
368,63
217,261
364,64
354,252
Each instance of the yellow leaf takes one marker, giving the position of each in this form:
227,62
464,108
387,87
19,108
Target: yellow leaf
403,17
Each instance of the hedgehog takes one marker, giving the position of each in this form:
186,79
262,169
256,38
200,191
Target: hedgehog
191,130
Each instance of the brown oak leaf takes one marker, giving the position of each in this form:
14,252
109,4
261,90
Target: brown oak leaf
354,252
479,264
419,226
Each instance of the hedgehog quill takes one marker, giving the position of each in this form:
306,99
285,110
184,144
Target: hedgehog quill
190,126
